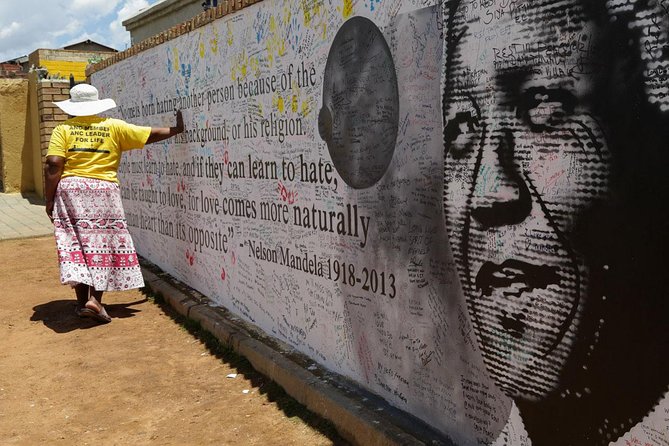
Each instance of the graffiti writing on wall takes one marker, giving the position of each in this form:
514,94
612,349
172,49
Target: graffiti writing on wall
459,205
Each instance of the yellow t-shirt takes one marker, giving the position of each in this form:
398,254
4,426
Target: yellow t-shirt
92,145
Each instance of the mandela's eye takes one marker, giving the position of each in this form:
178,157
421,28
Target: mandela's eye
545,109
462,134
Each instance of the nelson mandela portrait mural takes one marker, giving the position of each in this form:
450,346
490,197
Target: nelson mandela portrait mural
556,205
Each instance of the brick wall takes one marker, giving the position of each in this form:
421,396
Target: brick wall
50,116
11,70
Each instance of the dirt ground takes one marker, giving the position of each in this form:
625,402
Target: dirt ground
145,378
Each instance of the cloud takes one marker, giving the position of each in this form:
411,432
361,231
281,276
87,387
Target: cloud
132,7
27,25
7,31
72,27
35,19
97,8
118,35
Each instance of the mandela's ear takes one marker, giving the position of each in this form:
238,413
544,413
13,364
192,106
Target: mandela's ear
325,124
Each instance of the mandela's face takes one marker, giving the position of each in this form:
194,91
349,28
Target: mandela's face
524,159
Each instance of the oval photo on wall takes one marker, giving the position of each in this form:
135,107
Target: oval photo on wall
360,115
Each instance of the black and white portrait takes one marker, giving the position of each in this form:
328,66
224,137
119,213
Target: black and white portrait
556,208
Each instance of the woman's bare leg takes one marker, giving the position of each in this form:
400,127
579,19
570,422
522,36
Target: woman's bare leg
81,291
95,303
97,295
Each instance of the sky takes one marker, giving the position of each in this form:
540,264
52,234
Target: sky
27,25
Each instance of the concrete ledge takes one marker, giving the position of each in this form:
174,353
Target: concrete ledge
359,418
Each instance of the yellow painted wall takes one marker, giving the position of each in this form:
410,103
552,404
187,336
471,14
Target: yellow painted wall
15,136
63,68
60,63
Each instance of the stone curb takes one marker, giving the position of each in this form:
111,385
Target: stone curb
356,423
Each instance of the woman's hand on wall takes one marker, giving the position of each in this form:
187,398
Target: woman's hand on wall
160,133
180,122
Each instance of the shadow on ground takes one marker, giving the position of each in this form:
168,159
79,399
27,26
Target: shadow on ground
33,199
59,316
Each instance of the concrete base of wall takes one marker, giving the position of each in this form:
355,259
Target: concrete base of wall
360,417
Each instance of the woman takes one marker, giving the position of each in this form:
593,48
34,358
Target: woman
83,199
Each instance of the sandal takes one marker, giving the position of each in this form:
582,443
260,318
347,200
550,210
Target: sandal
95,310
87,312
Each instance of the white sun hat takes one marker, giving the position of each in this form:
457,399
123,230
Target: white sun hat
85,101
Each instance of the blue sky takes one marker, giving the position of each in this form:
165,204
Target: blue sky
26,25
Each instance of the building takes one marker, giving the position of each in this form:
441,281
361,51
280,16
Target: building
162,16
89,46
15,67
58,63
69,60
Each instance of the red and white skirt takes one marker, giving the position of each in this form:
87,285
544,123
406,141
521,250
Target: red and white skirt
94,245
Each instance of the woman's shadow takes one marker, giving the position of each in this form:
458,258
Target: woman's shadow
59,315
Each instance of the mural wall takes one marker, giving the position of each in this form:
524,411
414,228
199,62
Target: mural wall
459,205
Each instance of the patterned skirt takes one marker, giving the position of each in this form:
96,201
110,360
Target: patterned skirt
94,245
